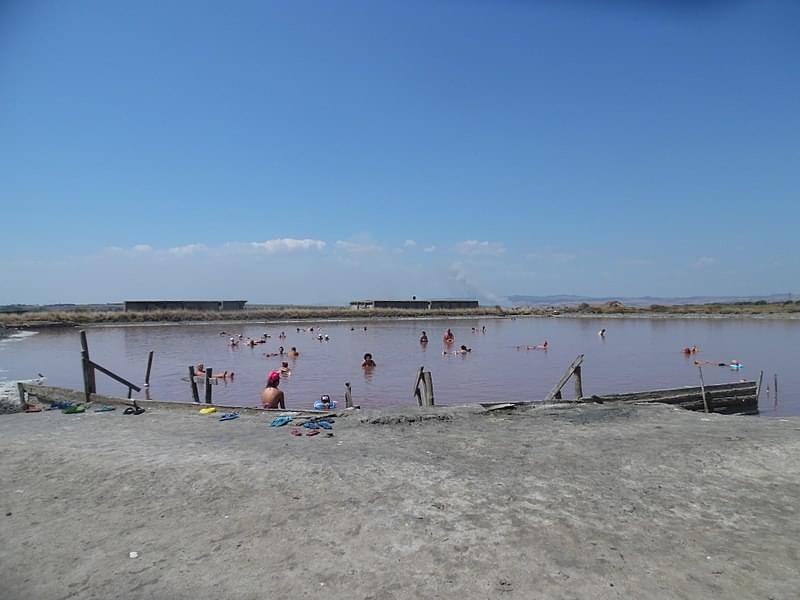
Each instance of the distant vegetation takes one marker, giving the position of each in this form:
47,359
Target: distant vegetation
81,315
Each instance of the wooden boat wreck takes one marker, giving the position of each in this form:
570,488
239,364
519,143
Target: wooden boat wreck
739,398
726,398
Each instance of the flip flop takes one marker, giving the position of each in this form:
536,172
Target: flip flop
133,410
313,432
208,410
105,408
280,421
311,425
229,416
297,433
74,410
59,405
325,425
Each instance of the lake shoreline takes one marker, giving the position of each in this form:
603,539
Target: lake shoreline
658,316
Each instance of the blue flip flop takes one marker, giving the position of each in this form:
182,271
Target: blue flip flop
325,424
229,416
311,425
280,421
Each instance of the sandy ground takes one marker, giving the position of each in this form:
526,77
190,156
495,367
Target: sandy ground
587,502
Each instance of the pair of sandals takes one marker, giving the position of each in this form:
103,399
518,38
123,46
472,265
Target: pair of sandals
133,410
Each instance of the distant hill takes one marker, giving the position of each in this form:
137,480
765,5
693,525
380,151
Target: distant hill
568,300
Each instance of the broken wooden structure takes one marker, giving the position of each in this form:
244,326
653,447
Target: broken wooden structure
726,398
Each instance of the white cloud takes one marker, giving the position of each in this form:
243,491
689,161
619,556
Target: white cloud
429,249
288,245
187,249
142,248
356,247
409,244
704,261
474,247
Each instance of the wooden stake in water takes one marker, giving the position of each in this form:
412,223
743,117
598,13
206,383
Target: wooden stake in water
703,388
149,365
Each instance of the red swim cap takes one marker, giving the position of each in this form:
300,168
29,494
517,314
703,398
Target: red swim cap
274,378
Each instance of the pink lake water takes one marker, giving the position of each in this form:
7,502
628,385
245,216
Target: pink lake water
636,354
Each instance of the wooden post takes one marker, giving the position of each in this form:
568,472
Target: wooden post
758,389
775,387
578,383
21,392
92,385
428,383
209,373
149,365
348,395
416,392
87,385
195,394
703,388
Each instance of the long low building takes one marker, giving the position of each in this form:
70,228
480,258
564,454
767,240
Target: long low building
204,305
413,304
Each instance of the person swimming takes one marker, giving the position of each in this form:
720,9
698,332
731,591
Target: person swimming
285,370
200,369
324,403
602,333
463,350
232,342
449,337
368,362
423,339
293,353
543,346
689,350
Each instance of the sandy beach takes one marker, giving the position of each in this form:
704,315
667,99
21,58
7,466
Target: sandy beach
581,502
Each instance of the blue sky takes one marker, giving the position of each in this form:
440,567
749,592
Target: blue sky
315,152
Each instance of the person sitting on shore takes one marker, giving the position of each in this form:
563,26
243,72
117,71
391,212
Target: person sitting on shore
368,362
324,403
271,396
285,370
293,353
423,339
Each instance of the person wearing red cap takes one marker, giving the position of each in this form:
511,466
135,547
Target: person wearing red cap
271,396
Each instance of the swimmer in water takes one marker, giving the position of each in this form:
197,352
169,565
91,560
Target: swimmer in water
423,339
293,353
602,333
232,342
463,350
449,337
368,362
285,370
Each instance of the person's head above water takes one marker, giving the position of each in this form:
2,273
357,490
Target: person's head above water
325,399
273,379
368,356
285,365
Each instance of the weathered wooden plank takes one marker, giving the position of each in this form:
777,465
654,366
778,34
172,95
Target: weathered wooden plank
114,376
554,393
195,393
